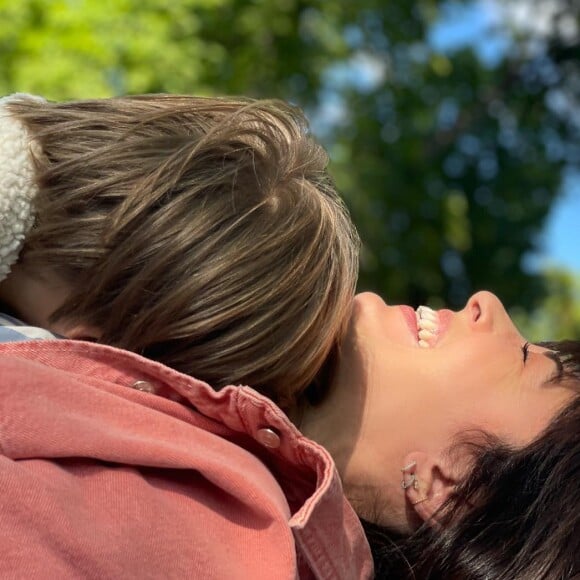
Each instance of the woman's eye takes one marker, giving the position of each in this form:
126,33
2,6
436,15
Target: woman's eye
525,351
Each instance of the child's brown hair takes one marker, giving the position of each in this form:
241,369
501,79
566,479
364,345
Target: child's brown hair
201,232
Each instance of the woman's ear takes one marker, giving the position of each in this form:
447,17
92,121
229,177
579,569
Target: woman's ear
427,482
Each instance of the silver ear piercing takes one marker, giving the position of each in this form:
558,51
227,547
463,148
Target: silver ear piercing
409,479
412,482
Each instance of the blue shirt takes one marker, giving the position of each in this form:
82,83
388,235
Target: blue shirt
14,330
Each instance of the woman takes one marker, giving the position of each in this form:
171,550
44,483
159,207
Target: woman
457,441
460,456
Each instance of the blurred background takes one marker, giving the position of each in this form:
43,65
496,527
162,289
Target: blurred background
453,127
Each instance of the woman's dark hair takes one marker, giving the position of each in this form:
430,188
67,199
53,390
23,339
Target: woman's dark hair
516,516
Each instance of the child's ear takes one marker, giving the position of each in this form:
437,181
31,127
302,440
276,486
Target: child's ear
82,332
428,482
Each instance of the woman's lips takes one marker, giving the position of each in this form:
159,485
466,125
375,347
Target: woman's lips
445,318
411,320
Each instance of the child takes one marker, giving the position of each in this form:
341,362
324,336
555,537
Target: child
203,233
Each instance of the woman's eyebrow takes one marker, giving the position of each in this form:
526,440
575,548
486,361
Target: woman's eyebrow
558,375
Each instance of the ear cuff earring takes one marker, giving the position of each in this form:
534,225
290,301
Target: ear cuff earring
409,479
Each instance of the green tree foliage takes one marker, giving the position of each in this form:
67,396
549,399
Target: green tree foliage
455,178
96,48
450,166
87,48
558,317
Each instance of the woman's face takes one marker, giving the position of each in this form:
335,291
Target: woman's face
424,383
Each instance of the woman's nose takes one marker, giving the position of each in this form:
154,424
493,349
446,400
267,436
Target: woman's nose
485,312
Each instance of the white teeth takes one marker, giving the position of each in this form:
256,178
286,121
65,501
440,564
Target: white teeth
427,326
424,312
425,335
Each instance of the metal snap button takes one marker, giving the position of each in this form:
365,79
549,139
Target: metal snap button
268,438
144,386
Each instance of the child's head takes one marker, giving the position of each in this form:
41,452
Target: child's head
202,232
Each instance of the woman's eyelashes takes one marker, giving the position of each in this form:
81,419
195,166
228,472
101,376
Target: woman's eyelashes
525,351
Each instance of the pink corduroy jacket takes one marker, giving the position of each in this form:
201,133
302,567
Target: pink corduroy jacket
113,466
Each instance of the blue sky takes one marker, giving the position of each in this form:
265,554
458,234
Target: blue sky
471,24
561,236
